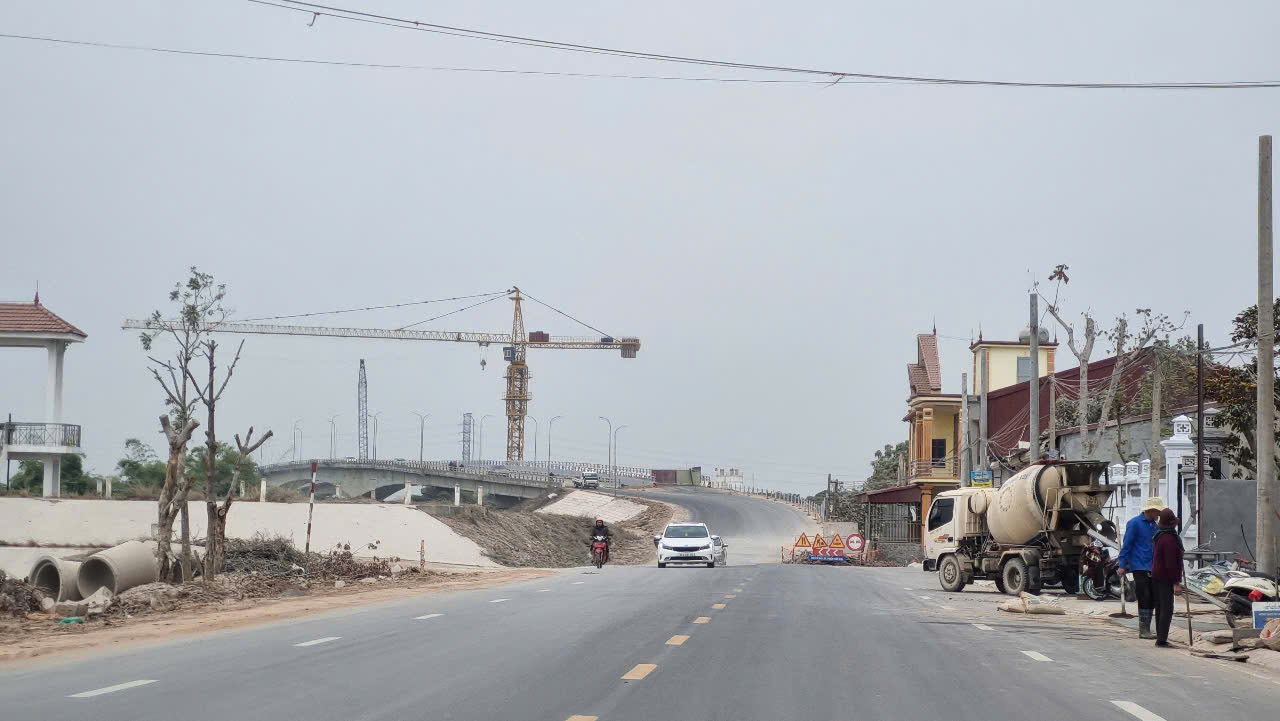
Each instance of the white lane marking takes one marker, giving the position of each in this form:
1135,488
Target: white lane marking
112,689
1137,711
906,589
429,615
949,608
1036,655
542,590
925,598
578,583
499,600
318,641
982,627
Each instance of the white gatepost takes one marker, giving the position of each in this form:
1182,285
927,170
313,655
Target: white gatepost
479,494
457,493
408,493
1177,447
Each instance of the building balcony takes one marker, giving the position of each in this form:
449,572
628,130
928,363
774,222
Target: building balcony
39,438
936,468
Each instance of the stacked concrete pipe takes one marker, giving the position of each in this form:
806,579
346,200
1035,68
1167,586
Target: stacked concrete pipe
119,568
57,577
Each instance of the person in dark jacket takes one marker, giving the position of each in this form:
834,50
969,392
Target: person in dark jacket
599,529
1135,557
1166,572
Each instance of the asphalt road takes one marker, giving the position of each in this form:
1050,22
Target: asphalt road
790,642
755,529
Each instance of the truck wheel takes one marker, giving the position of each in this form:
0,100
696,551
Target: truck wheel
949,574
1015,576
1034,584
1070,581
1000,583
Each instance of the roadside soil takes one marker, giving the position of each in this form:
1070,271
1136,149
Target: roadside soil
196,608
518,537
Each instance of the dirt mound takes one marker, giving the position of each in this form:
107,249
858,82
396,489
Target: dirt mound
18,598
520,537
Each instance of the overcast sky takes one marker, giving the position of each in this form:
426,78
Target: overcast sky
776,247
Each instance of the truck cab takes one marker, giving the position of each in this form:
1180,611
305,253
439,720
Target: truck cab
950,522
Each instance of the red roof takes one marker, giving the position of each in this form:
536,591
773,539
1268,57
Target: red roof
33,318
925,375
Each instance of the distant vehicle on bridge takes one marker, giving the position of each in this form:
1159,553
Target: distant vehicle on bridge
590,479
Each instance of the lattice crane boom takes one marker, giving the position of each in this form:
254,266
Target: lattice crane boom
516,345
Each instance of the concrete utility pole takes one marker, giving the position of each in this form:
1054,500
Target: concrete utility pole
963,440
1033,387
1199,423
1265,434
1053,413
1153,481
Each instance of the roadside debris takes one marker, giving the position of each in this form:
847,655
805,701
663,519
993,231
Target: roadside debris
18,598
1026,603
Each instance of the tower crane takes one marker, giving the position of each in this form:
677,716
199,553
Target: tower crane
516,345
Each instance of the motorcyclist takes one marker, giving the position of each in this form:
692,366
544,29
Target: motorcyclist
599,529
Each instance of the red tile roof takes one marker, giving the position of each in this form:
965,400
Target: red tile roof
928,350
919,379
33,318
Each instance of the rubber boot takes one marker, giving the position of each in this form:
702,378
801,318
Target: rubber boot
1144,624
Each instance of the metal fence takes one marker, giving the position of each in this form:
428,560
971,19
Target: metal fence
40,434
935,467
893,522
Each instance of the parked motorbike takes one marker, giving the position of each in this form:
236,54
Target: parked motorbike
1242,592
1101,579
599,550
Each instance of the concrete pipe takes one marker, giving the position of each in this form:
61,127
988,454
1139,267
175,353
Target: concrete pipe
119,568
57,578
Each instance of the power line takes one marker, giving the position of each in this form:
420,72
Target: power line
317,10
372,307
432,68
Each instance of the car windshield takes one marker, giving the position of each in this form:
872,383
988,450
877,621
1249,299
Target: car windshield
686,532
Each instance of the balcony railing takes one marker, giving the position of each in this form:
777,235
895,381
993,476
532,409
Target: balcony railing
40,434
935,468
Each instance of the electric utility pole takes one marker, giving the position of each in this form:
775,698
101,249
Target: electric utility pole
1033,386
1265,433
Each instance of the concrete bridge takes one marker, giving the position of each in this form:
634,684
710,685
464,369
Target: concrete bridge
351,478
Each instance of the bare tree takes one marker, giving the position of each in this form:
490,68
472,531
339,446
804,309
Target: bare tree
216,550
209,394
1127,344
198,300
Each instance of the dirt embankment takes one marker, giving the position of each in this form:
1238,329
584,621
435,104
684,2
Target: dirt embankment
518,537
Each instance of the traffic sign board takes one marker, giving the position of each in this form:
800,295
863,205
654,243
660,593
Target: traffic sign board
855,542
836,542
818,542
826,554
802,541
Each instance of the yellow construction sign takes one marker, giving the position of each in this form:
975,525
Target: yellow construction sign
836,542
818,542
802,541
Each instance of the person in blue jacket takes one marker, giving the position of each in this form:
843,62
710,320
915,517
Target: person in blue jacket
1135,556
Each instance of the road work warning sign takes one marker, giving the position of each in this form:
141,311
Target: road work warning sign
818,542
802,541
836,542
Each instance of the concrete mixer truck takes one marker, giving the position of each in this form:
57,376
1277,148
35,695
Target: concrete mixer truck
1025,534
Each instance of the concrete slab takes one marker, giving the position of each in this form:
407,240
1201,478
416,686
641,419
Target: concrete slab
398,530
595,505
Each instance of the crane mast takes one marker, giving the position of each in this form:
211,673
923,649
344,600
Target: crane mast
517,397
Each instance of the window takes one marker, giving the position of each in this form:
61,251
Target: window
939,452
1024,368
686,532
940,512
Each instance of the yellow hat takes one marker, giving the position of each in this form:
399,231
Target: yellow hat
1154,503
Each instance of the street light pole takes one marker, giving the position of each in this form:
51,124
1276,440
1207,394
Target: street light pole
422,426
617,481
480,449
297,443
535,439
375,434
551,426
333,436
608,443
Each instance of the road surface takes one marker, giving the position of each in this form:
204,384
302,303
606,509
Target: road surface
756,529
748,642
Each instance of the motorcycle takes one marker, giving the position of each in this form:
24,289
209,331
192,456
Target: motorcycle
599,549
1242,592
1101,579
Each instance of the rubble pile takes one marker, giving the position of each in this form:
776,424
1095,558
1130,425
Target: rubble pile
18,598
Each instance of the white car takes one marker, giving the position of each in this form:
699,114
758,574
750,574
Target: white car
687,543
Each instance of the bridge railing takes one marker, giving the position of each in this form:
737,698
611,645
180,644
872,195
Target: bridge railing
529,471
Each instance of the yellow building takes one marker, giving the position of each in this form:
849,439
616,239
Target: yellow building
1009,362
933,418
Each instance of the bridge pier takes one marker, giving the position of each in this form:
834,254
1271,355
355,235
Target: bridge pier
457,494
479,494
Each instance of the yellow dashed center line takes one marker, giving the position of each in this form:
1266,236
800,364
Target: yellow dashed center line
582,718
640,671
737,590
717,606
677,640
731,595
702,619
